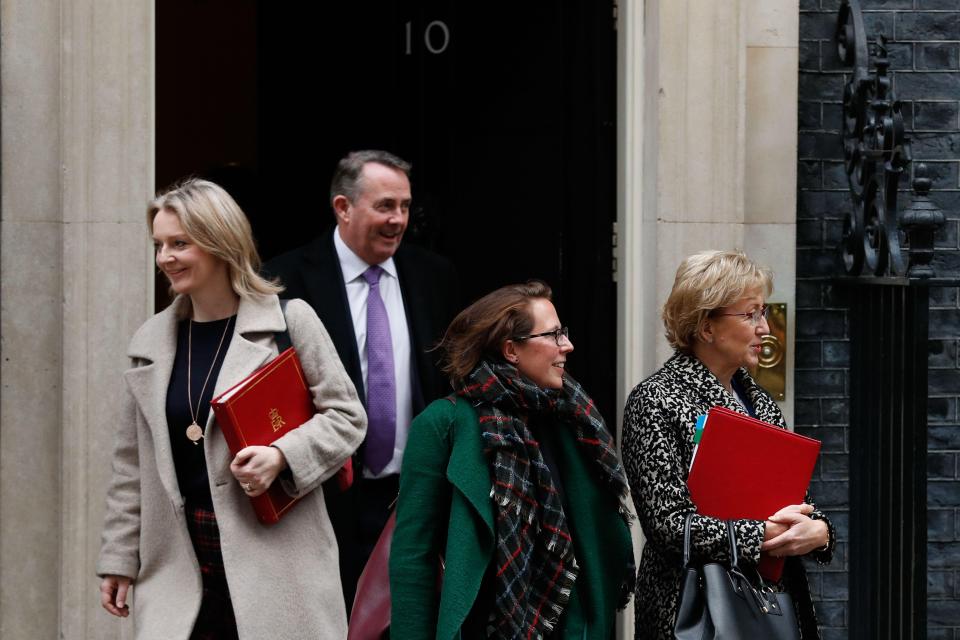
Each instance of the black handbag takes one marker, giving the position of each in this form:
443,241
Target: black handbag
719,602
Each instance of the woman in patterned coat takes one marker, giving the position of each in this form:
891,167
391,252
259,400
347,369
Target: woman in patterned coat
715,318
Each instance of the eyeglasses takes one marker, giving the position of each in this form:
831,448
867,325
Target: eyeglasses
562,332
753,316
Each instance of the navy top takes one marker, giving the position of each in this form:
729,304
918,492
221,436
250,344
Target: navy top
188,458
741,393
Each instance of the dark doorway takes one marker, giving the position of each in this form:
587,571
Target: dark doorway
506,110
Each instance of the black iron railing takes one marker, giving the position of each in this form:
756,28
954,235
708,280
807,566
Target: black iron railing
887,255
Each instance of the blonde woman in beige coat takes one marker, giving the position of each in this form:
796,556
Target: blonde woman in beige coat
213,571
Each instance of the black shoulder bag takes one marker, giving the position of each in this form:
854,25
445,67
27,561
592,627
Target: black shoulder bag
717,601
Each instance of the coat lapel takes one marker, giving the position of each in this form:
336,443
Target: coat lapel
249,349
711,393
764,405
702,383
468,470
418,323
327,293
155,345
470,543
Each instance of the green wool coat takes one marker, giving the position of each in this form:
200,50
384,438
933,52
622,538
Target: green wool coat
445,509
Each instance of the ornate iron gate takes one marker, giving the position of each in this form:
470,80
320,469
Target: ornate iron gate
888,293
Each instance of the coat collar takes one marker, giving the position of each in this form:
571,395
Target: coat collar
693,373
468,469
324,281
153,349
326,292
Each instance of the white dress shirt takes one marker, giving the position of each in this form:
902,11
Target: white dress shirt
353,267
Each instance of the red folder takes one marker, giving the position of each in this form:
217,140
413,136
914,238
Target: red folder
747,468
261,408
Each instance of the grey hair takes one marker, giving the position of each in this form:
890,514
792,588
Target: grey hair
346,179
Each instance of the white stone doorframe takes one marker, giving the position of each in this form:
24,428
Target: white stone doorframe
707,103
76,171
636,228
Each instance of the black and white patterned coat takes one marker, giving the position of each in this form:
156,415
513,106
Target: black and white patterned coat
658,428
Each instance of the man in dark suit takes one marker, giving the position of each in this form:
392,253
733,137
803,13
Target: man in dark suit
385,305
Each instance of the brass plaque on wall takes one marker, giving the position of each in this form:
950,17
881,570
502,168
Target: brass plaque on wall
771,373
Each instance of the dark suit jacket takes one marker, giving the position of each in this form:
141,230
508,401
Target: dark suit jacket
429,287
428,284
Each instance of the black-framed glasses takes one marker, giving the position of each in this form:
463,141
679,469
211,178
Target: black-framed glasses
753,316
562,332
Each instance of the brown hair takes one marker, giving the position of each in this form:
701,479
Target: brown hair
707,281
481,329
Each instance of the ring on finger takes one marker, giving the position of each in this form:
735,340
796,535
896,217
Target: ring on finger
246,486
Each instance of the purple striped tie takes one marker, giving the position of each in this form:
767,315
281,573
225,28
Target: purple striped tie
381,386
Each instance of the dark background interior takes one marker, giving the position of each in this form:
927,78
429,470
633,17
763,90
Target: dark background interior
509,122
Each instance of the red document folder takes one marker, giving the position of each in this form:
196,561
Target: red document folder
746,468
258,410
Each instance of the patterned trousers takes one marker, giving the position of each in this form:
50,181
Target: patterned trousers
215,620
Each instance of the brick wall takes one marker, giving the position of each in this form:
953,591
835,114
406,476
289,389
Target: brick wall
925,57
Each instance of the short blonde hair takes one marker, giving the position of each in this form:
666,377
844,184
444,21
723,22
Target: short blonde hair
707,281
214,221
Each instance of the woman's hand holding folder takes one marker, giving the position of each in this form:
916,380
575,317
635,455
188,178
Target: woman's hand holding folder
256,467
790,532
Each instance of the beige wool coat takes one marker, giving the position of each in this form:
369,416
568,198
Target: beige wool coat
284,578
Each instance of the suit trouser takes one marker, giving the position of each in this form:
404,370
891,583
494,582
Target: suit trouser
359,515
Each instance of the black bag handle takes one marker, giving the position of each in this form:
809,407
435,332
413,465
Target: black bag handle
686,539
732,535
737,576
282,338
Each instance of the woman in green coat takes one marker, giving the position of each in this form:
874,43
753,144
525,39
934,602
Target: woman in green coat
512,485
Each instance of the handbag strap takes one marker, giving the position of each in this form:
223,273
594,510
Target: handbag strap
686,539
282,338
763,605
732,535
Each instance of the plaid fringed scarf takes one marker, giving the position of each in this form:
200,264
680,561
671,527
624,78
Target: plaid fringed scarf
535,563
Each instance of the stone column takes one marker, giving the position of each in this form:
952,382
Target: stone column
708,154
31,320
700,136
77,171
637,327
636,224
770,176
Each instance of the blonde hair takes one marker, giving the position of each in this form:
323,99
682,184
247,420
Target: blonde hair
213,220
707,281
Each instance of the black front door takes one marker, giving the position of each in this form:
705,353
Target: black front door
505,109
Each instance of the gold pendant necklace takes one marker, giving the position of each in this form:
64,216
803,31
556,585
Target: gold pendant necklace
194,431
